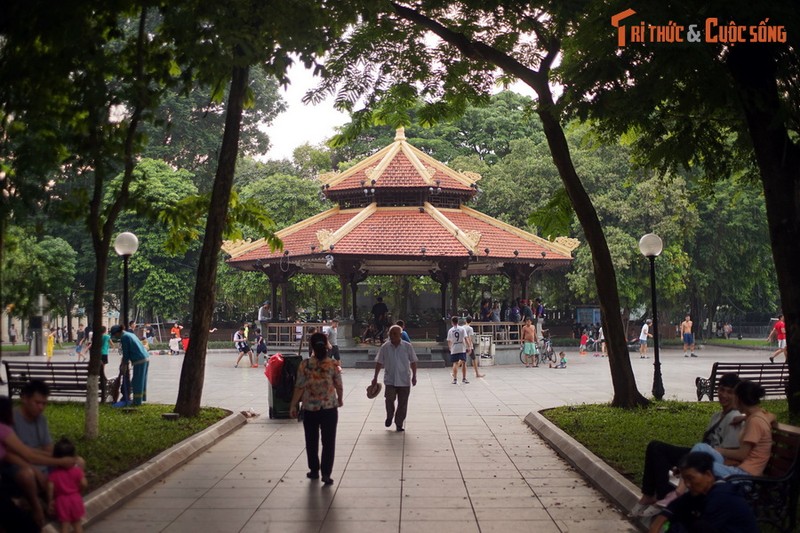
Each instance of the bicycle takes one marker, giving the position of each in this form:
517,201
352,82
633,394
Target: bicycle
546,351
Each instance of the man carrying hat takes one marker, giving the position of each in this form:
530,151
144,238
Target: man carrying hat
134,353
400,362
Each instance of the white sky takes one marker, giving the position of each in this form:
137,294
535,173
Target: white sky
314,124
301,123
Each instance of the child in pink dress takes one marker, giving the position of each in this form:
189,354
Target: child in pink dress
64,489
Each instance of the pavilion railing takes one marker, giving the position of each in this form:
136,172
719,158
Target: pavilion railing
290,333
502,332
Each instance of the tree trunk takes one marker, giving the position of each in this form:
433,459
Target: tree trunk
625,392
754,70
91,426
624,382
190,391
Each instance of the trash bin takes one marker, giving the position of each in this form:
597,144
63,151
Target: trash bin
486,350
279,394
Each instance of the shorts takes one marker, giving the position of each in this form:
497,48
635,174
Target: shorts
781,344
529,348
688,338
335,353
642,342
471,354
104,358
244,349
456,357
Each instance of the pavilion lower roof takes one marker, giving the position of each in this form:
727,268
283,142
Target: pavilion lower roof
402,240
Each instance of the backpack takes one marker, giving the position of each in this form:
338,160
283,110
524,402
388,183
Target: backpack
514,315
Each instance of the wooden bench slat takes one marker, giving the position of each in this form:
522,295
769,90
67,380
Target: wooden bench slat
63,378
774,377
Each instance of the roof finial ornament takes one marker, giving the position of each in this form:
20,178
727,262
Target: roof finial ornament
400,134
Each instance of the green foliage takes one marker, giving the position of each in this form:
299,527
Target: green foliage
189,128
285,198
127,439
31,267
601,427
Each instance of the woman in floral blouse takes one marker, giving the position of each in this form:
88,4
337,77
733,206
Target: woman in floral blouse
319,387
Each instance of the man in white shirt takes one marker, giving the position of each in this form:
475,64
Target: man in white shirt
457,342
645,333
471,346
399,360
332,333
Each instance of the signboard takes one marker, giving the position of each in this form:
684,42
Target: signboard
587,315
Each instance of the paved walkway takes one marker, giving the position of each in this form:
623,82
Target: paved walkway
466,463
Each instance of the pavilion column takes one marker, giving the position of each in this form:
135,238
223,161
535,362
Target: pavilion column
274,301
455,284
442,277
350,275
279,277
519,275
343,283
355,277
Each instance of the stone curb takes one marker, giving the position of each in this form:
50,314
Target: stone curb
611,483
112,494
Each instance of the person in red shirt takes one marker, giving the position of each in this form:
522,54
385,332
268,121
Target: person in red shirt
584,341
779,332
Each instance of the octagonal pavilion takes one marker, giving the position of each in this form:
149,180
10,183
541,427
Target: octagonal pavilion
401,212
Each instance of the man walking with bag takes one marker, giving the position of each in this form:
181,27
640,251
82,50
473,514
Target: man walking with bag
399,361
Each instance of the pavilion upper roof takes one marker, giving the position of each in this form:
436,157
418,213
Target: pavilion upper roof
396,168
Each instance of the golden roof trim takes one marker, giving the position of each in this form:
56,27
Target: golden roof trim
469,239
328,238
555,246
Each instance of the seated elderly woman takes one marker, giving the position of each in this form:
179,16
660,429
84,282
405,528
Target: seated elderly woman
710,505
11,517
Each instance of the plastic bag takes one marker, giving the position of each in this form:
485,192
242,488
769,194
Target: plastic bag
273,369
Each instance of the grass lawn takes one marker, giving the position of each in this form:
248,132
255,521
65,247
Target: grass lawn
620,436
757,343
127,439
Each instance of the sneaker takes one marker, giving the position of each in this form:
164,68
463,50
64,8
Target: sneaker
236,366
694,355
686,355
455,381
387,422
771,359
464,381
254,366
327,481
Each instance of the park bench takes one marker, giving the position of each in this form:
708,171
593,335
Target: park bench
773,495
774,377
64,379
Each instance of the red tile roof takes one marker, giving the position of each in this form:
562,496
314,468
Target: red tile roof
400,165
402,232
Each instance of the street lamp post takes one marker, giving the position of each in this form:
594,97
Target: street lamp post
651,246
125,245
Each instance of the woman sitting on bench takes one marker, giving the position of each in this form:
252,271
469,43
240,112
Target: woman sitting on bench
755,443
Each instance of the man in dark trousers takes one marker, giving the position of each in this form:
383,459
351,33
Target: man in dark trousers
380,316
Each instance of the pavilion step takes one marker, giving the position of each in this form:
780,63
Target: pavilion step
422,363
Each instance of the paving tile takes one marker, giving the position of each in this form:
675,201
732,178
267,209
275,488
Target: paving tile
453,526
519,526
359,526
